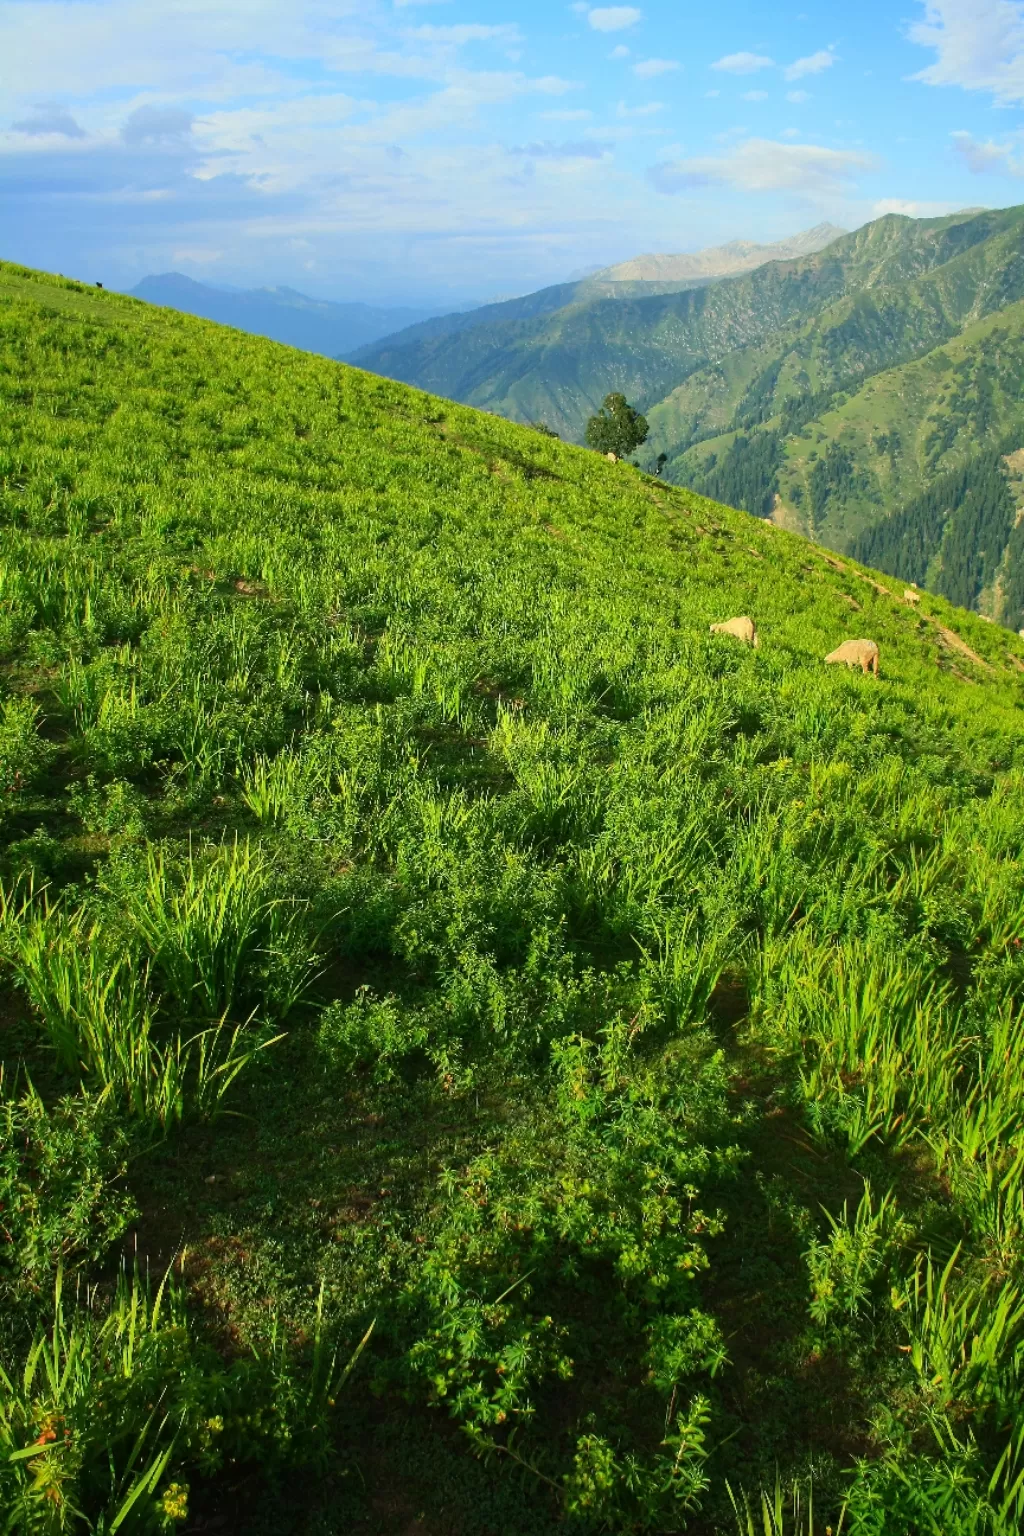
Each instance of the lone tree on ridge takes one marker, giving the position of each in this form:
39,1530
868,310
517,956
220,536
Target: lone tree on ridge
617,428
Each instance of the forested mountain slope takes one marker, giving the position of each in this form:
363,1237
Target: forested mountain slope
425,948
558,366
818,428
796,374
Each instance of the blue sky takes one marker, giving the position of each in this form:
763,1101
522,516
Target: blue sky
435,150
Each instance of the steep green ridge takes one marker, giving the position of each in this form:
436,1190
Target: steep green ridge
675,275
559,366
821,432
888,439
888,317
413,917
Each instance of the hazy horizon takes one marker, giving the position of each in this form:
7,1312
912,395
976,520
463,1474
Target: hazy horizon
422,153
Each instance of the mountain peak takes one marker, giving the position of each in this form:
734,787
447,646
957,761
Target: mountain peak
721,260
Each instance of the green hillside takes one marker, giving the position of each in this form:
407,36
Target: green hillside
480,1053
884,318
828,393
558,366
816,429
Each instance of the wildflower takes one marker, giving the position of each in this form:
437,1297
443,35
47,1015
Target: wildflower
175,1501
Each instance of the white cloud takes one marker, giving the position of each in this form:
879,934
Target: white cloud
743,63
648,69
621,52
979,45
710,94
207,49
764,165
989,156
582,149
797,97
813,64
614,18
569,115
649,109
554,85
468,32
911,209
755,96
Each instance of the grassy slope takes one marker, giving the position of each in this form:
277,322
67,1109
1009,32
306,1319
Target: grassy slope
453,682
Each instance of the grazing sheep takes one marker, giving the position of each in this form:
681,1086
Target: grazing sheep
857,653
911,597
741,629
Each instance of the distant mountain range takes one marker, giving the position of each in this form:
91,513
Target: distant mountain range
314,325
462,369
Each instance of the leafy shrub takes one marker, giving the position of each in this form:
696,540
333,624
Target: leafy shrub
23,752
844,1268
117,809
602,1200
62,1192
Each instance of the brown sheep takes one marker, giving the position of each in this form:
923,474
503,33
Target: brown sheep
857,653
741,629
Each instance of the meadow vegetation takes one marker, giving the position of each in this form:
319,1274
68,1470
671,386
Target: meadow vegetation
480,1053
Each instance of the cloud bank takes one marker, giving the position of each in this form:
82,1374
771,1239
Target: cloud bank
979,46
765,165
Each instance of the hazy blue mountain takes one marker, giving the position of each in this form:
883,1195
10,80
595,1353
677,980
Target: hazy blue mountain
282,314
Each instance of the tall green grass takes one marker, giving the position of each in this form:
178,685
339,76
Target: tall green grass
104,1009
654,1006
